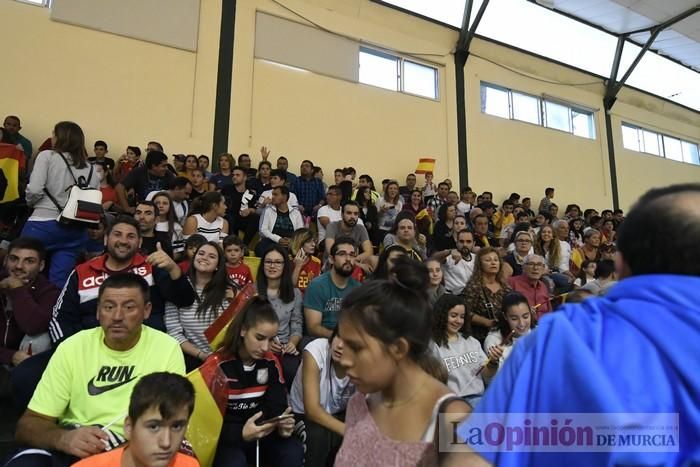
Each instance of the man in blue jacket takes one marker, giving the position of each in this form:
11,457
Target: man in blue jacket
627,353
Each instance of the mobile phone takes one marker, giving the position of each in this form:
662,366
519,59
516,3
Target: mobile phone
276,419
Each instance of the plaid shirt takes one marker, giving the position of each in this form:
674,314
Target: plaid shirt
434,205
309,192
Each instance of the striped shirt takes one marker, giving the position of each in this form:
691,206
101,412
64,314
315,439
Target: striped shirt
212,231
184,325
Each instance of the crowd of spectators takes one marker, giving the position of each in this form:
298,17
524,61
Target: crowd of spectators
100,306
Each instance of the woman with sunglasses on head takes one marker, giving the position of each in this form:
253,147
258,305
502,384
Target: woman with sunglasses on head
484,291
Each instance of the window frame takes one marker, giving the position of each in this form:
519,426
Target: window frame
661,139
40,4
401,60
542,109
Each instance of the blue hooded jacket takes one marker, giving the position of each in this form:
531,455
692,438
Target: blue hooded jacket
636,350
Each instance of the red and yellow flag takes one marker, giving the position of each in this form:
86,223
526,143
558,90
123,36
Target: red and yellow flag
216,332
11,163
425,165
210,405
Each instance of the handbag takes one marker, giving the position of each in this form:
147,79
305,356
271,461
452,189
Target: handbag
83,207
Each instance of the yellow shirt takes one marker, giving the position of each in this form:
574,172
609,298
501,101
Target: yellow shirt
87,383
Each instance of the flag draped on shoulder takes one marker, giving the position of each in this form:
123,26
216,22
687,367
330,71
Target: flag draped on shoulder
216,332
210,405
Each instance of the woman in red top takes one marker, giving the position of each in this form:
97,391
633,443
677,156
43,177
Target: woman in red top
306,266
109,195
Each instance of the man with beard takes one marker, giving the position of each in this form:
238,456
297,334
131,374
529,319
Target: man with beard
240,203
75,309
145,215
325,293
26,300
458,264
348,227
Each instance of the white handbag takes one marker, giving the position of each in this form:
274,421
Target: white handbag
84,204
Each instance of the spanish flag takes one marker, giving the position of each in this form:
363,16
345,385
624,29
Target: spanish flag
216,332
11,164
208,417
425,166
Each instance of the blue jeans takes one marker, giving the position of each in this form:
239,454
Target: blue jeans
62,243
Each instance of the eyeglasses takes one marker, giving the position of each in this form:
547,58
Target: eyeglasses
535,265
343,254
523,240
271,262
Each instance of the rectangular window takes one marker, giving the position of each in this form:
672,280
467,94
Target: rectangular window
396,73
379,69
526,108
690,153
494,101
557,116
506,103
583,123
630,138
46,3
650,142
672,148
419,79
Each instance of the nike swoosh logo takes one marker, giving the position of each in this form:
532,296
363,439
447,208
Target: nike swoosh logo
96,391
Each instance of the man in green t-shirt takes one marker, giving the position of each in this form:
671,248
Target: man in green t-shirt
325,293
81,402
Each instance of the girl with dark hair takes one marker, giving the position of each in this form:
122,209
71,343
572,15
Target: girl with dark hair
368,213
127,162
452,342
389,206
345,191
199,183
186,325
207,217
586,274
255,393
261,182
484,291
191,164
167,222
302,249
274,282
385,327
319,396
109,195
442,235
515,320
54,172
387,260
576,227
436,289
